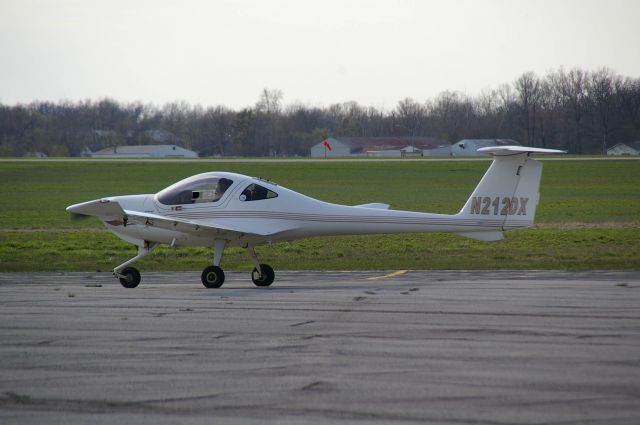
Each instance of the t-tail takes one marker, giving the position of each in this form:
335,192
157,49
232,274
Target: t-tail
507,196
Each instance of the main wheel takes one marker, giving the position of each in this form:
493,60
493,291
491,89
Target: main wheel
130,277
264,279
212,277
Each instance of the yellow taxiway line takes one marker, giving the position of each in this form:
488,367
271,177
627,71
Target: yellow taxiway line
386,276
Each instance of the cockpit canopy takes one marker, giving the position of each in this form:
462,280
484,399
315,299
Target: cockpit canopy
255,192
195,190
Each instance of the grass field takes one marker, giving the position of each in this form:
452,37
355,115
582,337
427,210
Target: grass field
588,217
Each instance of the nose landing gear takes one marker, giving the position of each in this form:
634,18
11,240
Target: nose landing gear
262,274
129,276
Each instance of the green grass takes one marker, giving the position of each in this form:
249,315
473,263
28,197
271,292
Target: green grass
577,197
522,249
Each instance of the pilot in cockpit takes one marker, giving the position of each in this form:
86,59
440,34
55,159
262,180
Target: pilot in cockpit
221,187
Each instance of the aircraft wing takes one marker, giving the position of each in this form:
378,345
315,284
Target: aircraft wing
107,210
101,208
194,227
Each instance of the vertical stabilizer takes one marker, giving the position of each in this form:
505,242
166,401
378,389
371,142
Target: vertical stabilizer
507,196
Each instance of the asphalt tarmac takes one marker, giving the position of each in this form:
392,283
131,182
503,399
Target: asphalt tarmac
322,347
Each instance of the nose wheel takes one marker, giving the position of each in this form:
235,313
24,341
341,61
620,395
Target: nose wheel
129,277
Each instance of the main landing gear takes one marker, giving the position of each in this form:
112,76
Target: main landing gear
212,276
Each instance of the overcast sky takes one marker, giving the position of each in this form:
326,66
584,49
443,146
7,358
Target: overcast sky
316,52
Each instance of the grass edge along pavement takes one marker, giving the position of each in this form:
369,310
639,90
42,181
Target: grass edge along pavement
534,249
576,198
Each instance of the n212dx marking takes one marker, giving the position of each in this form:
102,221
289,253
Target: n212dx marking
486,205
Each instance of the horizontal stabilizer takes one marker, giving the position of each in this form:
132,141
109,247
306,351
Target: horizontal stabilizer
486,236
511,150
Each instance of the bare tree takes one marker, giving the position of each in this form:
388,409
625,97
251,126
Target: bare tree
270,101
577,110
630,104
572,87
548,102
449,115
268,113
409,115
528,88
603,93
350,119
215,133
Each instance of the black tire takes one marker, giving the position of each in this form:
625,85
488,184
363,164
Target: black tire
130,277
212,277
267,277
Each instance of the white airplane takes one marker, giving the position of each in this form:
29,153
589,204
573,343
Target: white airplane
220,209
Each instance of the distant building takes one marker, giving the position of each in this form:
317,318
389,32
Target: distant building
469,147
35,155
405,152
443,150
631,148
339,148
376,146
101,138
145,151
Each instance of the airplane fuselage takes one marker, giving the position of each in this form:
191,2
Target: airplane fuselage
289,216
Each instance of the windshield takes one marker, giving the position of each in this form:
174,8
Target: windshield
194,190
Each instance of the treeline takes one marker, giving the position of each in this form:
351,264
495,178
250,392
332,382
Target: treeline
580,111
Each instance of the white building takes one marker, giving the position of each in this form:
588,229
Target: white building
145,151
35,155
631,148
406,152
443,150
469,147
376,146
